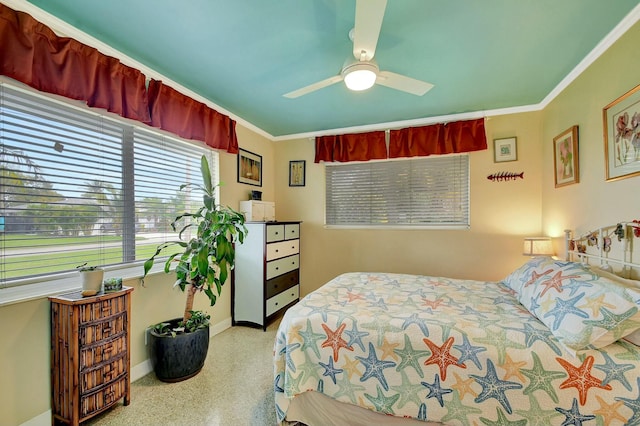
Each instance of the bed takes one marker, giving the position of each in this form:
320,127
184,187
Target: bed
555,342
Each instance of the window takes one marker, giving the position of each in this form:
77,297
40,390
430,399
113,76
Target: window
77,187
424,192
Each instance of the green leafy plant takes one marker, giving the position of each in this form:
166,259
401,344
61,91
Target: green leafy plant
204,263
86,267
198,320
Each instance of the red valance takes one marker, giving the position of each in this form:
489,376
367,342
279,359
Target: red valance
179,114
351,147
436,139
33,54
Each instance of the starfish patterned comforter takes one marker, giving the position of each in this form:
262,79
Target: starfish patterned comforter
450,351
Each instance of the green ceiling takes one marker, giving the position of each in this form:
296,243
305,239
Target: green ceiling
244,55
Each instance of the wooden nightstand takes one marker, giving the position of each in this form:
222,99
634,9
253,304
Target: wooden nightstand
90,355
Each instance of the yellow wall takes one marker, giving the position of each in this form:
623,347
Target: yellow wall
593,201
501,214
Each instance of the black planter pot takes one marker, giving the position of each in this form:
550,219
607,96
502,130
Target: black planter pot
178,358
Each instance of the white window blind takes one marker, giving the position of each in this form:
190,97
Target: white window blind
423,192
79,187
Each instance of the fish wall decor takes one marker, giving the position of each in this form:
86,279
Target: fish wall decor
504,176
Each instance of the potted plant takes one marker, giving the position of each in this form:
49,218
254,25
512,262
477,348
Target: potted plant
91,279
178,347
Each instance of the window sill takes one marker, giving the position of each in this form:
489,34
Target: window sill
401,227
66,283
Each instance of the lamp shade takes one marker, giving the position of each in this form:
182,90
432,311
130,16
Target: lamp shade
360,75
538,246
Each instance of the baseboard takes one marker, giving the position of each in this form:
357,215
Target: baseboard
220,327
138,371
43,419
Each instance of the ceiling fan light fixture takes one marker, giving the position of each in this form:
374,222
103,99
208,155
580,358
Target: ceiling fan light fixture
360,76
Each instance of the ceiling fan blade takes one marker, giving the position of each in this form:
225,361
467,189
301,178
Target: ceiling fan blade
369,15
403,83
313,87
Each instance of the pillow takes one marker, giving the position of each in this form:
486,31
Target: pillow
635,336
612,276
580,308
521,276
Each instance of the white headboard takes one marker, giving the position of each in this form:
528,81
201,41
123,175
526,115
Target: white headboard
609,247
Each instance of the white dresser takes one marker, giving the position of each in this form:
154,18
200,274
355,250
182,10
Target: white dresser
266,278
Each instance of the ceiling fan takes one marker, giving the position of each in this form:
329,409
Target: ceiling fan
363,72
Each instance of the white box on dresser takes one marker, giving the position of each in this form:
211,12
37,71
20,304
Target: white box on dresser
266,277
258,211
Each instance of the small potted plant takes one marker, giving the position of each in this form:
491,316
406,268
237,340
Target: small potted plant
112,284
178,347
91,279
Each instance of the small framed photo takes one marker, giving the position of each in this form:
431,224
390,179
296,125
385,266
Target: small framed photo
505,150
249,168
565,157
297,172
622,136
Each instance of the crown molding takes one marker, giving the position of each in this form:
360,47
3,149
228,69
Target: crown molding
66,30
63,29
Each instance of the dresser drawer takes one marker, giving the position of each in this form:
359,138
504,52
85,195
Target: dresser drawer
278,302
275,233
292,231
282,249
102,351
100,374
283,282
103,397
102,309
282,266
104,328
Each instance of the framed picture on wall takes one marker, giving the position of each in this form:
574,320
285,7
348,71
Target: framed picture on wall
505,150
249,168
565,157
297,172
622,136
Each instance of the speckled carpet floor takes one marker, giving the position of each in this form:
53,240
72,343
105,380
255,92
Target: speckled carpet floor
235,388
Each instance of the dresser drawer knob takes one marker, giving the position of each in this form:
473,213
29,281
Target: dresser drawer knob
277,250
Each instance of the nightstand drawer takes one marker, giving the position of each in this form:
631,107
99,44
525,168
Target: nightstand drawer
282,282
102,351
103,373
278,302
282,266
282,249
104,397
95,331
102,309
